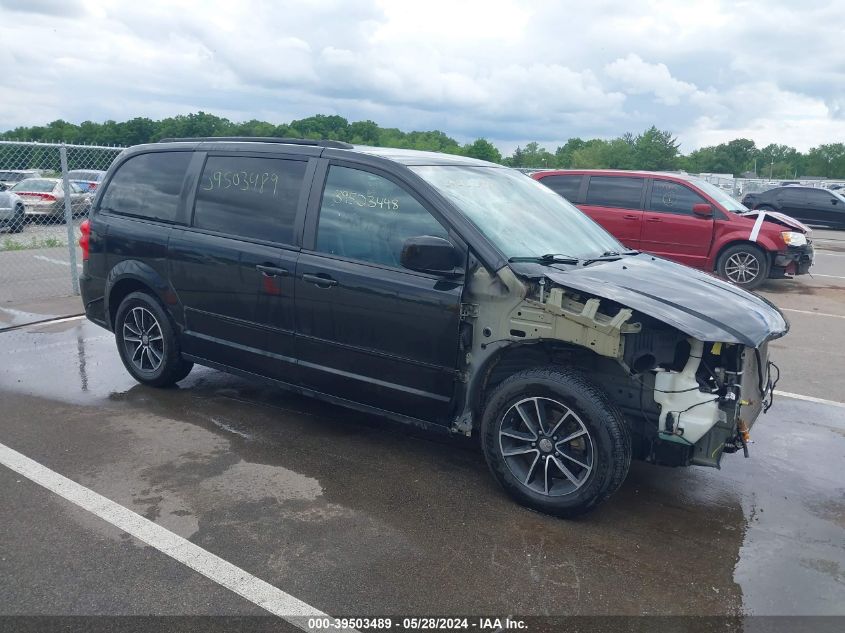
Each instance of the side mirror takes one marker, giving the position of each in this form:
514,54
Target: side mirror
3,186
703,210
429,254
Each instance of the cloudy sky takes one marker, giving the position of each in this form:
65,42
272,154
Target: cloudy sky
508,70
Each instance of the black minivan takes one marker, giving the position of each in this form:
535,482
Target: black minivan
436,290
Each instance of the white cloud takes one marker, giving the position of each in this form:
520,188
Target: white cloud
637,77
510,70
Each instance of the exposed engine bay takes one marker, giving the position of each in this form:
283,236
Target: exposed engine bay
689,395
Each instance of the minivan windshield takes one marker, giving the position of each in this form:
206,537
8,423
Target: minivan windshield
519,215
728,202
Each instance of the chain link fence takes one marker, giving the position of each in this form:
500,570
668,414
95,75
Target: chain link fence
46,190
738,187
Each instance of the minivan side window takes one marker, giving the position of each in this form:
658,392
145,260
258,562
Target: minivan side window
673,197
368,217
250,197
612,191
148,186
566,186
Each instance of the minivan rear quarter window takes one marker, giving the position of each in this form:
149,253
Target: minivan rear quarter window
612,191
148,186
250,197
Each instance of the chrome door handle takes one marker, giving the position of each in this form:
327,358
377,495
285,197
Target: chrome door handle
271,271
317,280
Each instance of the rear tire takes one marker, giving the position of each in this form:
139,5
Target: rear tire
19,221
554,441
147,342
744,265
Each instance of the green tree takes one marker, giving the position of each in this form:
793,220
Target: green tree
364,132
827,160
482,149
321,126
515,159
563,154
779,161
655,150
735,157
593,154
532,156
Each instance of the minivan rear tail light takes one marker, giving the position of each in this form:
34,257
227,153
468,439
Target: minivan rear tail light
84,239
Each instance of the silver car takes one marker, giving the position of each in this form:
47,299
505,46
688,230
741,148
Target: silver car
45,197
12,213
10,177
87,179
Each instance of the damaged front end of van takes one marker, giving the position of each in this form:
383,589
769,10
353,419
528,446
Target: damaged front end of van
682,354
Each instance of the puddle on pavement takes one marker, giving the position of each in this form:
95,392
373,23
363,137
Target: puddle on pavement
793,553
302,489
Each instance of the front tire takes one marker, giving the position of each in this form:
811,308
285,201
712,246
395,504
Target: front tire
554,441
147,342
744,265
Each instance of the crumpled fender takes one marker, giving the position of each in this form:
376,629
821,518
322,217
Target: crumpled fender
698,304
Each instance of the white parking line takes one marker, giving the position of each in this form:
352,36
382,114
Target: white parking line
798,396
209,565
824,314
54,261
826,254
830,276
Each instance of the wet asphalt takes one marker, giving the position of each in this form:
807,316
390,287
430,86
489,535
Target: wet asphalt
358,516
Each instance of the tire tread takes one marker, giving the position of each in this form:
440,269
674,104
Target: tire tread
620,439
174,368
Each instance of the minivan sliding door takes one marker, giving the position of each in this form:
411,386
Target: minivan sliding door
234,267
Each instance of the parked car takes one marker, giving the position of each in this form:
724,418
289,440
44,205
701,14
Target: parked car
45,197
86,179
812,205
12,212
689,221
440,291
10,177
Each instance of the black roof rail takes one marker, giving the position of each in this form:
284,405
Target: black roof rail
262,139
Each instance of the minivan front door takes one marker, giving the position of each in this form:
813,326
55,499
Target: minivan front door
368,330
233,269
671,229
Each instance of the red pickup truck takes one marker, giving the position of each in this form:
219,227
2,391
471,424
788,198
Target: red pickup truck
688,220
